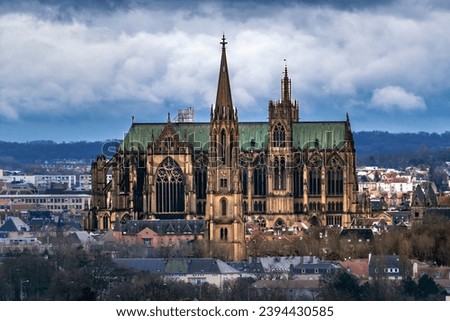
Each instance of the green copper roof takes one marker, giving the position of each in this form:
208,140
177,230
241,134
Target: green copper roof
326,134
306,135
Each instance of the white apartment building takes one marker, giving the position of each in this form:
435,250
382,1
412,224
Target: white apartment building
42,182
53,202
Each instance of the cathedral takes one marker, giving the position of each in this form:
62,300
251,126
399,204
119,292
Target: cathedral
226,173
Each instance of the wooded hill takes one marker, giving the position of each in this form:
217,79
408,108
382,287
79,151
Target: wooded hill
375,148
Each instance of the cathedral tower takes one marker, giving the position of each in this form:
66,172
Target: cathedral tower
282,114
224,196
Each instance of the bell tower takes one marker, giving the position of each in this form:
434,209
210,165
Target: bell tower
282,114
224,195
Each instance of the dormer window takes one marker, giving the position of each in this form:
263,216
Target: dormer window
168,142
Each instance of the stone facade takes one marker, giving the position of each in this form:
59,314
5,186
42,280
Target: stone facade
228,172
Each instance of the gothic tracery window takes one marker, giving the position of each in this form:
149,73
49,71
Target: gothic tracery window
279,173
315,176
279,135
259,178
298,181
169,187
244,175
201,171
335,177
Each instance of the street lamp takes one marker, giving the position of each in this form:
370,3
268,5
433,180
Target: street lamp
22,295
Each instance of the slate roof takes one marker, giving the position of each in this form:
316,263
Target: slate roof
155,265
311,268
424,195
14,224
38,222
286,284
438,211
161,227
271,264
381,262
250,267
305,135
82,237
356,233
178,265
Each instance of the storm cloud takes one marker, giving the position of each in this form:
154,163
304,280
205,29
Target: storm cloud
76,61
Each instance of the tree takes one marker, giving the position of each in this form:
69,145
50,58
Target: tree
341,286
427,289
237,289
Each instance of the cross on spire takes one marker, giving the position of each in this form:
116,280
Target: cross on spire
223,42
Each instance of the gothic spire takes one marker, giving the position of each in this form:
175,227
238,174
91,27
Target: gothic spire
224,104
286,86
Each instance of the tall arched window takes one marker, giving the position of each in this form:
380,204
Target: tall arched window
315,182
298,207
259,178
201,171
223,205
245,207
279,135
224,233
298,181
243,166
335,178
223,147
169,187
315,176
279,173
105,222
230,149
244,180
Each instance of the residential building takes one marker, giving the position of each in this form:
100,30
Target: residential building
391,267
192,270
58,202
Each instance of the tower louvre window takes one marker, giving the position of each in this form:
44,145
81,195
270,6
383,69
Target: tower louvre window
223,205
223,183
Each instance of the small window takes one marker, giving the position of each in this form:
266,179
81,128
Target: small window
223,182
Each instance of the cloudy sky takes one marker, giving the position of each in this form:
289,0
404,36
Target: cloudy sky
74,70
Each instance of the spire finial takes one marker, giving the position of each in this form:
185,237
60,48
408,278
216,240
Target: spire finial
223,42
168,117
285,67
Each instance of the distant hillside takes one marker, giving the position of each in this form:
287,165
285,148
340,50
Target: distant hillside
37,152
385,142
373,148
403,149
